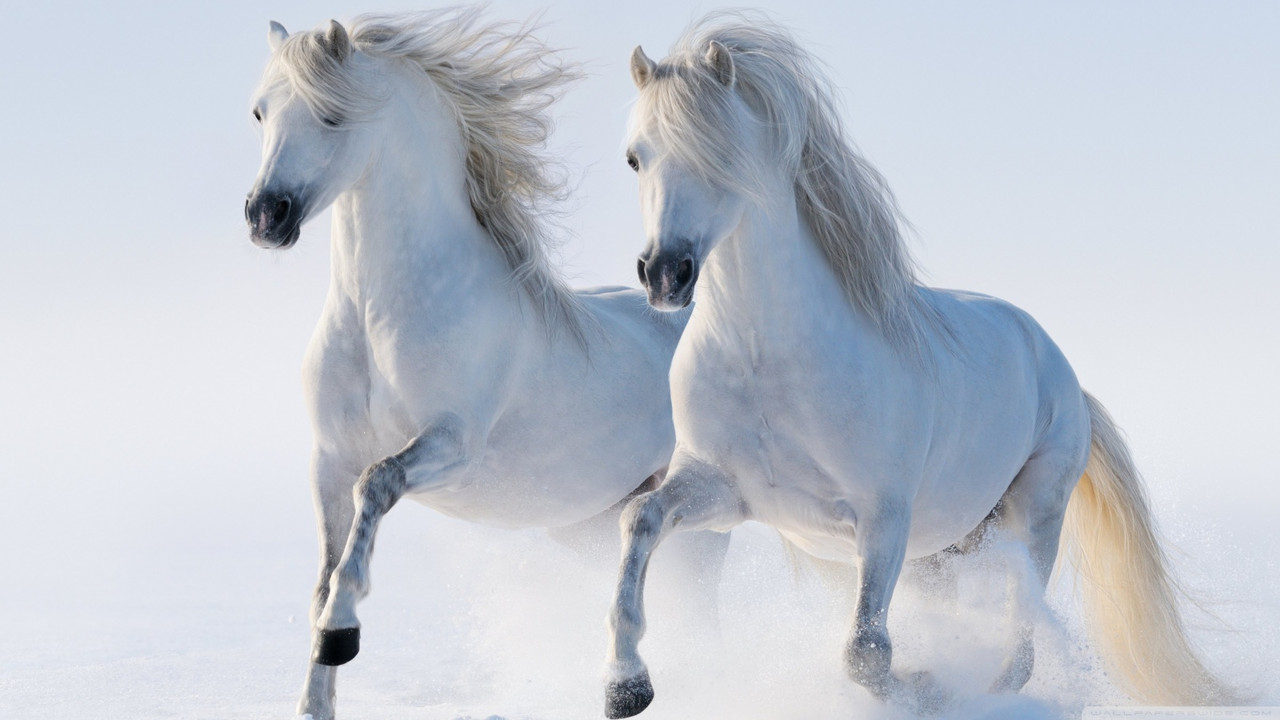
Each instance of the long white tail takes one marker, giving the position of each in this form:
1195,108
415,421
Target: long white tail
1130,599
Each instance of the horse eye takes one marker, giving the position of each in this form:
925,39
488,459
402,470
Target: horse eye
632,162
331,122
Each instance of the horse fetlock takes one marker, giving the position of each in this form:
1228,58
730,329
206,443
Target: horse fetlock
624,698
350,583
340,611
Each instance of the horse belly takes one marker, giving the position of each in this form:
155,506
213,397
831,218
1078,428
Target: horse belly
812,452
512,498
575,438
550,475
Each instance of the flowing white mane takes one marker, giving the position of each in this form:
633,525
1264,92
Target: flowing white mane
501,81
844,200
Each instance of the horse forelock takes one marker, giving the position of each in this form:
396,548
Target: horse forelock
328,86
500,80
698,122
844,201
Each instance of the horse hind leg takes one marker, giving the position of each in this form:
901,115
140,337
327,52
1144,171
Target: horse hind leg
1031,512
935,575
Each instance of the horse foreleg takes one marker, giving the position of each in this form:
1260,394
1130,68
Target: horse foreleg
881,539
331,486
377,490
694,496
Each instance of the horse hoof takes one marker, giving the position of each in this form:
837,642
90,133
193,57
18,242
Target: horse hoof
628,697
337,647
923,695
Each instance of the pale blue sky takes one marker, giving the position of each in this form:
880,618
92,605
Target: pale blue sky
1114,168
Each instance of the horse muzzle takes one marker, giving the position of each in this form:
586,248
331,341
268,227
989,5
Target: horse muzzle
275,218
669,278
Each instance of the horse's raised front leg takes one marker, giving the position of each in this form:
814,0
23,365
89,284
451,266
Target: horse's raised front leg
331,483
694,496
881,538
418,465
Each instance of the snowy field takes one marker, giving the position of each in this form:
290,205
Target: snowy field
1115,170
193,613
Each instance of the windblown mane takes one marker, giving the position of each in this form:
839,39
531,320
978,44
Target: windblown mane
845,202
501,81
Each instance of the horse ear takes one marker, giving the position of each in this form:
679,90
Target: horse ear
642,68
337,42
721,63
276,35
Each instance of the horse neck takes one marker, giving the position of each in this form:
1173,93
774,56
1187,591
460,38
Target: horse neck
769,275
406,228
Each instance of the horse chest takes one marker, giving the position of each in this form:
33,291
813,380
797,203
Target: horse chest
757,397
797,426
751,415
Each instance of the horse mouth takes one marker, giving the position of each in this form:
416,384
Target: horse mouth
276,240
672,301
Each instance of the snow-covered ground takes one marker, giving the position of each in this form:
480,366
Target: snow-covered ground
199,611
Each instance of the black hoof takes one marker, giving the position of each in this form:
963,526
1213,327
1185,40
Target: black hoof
337,647
629,697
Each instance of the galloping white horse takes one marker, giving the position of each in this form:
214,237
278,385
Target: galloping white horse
450,365
820,389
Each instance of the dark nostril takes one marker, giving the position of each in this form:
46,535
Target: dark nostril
640,270
281,210
246,209
684,271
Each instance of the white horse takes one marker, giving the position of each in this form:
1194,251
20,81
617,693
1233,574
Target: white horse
820,389
450,365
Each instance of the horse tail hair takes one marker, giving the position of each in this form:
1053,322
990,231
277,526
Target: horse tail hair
1130,597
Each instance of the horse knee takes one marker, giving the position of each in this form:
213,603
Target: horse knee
377,490
380,486
643,517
